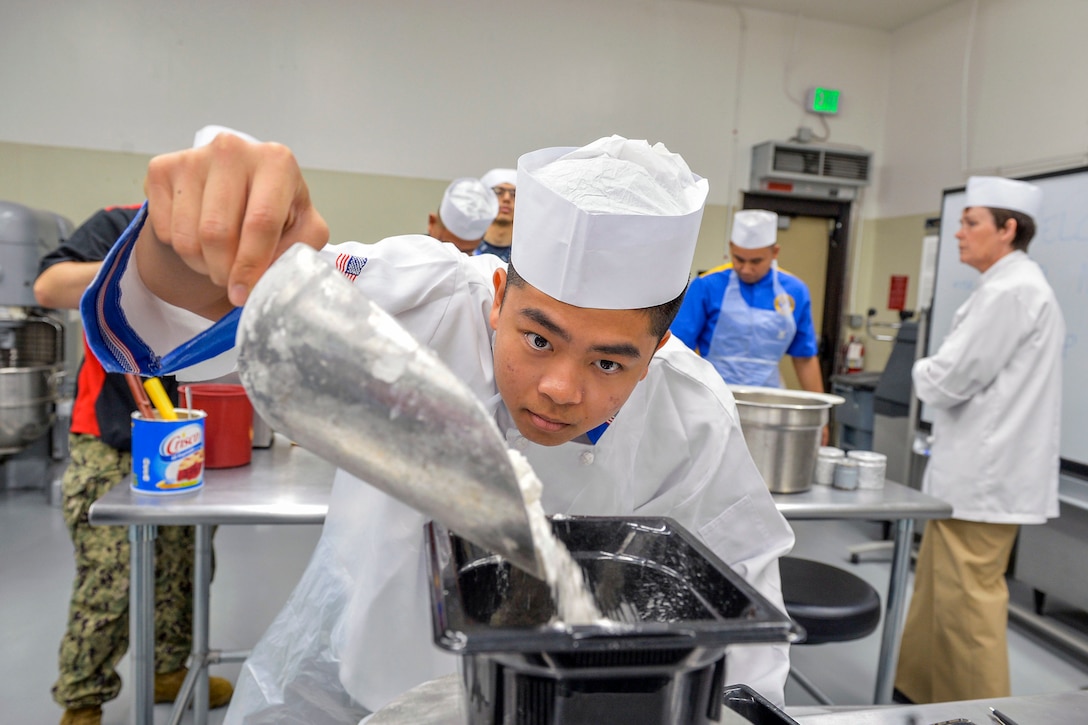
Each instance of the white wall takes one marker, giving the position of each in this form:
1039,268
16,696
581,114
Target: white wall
433,89
1026,98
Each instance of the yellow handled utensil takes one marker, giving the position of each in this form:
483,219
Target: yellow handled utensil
159,398
140,396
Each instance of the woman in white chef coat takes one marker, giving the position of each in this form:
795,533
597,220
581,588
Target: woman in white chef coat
571,353
994,389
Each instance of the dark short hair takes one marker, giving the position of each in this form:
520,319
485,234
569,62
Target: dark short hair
661,316
1025,226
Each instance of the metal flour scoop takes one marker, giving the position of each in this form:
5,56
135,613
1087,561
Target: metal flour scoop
337,374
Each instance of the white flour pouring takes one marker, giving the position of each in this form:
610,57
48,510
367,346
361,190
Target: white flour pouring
573,600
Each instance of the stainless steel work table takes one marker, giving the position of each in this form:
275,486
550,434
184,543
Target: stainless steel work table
284,484
896,503
438,702
289,485
1050,708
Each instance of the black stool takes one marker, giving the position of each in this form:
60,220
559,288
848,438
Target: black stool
832,605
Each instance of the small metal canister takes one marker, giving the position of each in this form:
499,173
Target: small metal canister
846,474
871,468
827,458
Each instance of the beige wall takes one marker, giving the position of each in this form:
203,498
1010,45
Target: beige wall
887,246
77,182
358,207
366,207
71,182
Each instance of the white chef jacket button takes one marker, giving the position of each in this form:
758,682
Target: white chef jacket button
521,444
586,458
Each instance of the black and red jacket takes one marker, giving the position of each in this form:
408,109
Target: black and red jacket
103,406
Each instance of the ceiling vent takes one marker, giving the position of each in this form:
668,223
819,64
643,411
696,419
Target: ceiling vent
809,170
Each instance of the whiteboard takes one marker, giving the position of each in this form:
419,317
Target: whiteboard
1060,247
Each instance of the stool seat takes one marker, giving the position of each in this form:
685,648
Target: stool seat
832,604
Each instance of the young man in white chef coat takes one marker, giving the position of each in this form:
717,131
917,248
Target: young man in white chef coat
500,235
573,357
467,209
994,388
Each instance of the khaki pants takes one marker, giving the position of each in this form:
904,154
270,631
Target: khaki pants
97,633
954,644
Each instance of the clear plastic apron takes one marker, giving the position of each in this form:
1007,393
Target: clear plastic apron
748,343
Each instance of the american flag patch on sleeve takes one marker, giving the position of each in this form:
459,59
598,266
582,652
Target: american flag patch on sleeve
350,265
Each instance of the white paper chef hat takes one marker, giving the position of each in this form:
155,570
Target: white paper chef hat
468,207
611,225
500,176
207,134
1001,193
754,229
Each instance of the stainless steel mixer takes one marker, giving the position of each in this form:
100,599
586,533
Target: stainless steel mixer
32,345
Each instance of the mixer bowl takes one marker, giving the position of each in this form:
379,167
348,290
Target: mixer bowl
26,405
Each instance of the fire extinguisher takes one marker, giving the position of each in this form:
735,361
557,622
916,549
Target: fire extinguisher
854,355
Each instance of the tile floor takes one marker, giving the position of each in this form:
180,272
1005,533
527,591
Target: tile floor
257,567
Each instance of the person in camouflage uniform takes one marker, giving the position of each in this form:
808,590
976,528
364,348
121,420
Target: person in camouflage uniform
100,440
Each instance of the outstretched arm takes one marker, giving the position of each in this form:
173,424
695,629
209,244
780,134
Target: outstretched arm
61,286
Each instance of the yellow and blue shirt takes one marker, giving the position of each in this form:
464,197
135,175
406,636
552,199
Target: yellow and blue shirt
698,315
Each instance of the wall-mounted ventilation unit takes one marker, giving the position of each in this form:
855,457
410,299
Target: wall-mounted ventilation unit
809,170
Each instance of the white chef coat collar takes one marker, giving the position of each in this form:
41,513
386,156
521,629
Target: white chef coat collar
1005,261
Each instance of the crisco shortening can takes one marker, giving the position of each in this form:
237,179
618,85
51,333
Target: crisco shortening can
168,455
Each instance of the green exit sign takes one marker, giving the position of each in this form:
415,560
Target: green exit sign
823,100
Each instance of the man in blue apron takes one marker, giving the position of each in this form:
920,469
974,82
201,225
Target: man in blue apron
743,317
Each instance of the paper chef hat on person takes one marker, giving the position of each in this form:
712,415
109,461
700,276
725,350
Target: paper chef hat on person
754,229
207,134
1001,193
468,208
500,176
611,225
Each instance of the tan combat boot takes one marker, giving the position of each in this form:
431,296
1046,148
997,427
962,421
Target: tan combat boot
167,687
82,716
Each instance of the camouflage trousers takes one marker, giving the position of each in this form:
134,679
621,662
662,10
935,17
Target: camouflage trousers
97,634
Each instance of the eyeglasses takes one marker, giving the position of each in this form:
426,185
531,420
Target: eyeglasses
500,190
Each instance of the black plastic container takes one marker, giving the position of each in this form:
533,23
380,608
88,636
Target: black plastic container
664,663
753,707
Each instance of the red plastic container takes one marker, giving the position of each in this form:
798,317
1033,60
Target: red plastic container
228,434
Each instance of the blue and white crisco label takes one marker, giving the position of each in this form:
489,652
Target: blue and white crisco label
168,455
